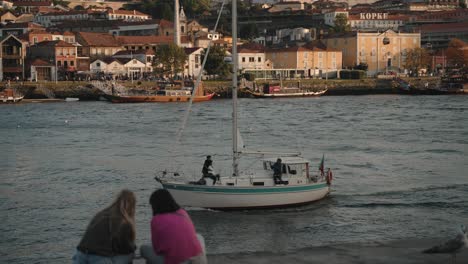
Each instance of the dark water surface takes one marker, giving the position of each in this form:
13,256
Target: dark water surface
400,165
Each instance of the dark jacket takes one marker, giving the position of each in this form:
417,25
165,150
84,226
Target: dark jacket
98,240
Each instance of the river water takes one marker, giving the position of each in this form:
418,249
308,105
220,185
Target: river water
400,169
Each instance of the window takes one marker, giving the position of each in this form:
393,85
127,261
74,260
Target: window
59,63
98,64
243,59
35,40
251,59
259,59
72,63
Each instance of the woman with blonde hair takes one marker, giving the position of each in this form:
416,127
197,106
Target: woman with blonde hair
110,236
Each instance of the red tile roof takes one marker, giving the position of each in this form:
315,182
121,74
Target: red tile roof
39,62
97,39
55,43
138,40
32,3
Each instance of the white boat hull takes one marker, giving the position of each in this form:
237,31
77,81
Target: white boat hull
232,198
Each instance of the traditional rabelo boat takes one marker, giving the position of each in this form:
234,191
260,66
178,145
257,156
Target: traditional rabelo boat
10,96
174,92
277,91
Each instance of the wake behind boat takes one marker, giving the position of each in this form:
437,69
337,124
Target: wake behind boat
280,179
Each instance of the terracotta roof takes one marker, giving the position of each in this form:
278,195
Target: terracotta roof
68,33
54,43
251,48
288,49
134,52
127,40
39,62
65,13
166,23
97,39
126,12
23,25
448,27
32,3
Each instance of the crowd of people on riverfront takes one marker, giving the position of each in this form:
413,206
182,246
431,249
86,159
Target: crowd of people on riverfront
110,236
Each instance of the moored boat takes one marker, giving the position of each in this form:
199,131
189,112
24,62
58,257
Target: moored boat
10,96
164,94
278,91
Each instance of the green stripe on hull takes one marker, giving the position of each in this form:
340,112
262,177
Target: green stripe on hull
244,190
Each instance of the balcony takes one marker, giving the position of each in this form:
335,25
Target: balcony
13,69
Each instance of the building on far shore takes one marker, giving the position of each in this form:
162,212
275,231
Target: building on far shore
381,51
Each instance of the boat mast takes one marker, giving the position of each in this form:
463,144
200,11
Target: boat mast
235,153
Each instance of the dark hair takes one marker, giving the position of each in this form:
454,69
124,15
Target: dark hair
162,202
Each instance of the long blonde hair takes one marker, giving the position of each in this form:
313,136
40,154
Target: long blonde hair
122,210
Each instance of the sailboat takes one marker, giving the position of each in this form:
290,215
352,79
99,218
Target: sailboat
298,184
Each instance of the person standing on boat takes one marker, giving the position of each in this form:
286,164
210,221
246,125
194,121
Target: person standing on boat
173,236
110,236
277,171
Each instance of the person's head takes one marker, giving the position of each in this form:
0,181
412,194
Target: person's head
123,208
278,160
125,203
208,157
162,202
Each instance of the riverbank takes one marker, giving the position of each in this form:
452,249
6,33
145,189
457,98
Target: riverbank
395,252
87,91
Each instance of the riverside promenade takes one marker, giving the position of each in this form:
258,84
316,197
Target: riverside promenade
88,91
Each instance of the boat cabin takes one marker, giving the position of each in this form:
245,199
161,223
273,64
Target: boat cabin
174,92
291,166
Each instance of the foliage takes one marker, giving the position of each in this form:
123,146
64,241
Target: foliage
457,54
215,63
248,31
352,74
170,59
60,2
416,59
361,66
341,24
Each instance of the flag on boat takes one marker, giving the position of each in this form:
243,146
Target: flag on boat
322,164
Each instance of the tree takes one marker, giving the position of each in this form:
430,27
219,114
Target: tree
417,59
170,59
457,53
341,24
215,63
361,66
249,31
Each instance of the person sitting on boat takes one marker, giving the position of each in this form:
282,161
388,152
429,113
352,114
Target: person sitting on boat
205,166
211,172
277,171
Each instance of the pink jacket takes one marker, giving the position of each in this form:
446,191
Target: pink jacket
173,236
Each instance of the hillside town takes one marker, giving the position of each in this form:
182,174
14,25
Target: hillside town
43,40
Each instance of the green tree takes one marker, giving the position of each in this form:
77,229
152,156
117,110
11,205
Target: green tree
248,31
215,63
417,59
341,24
170,59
